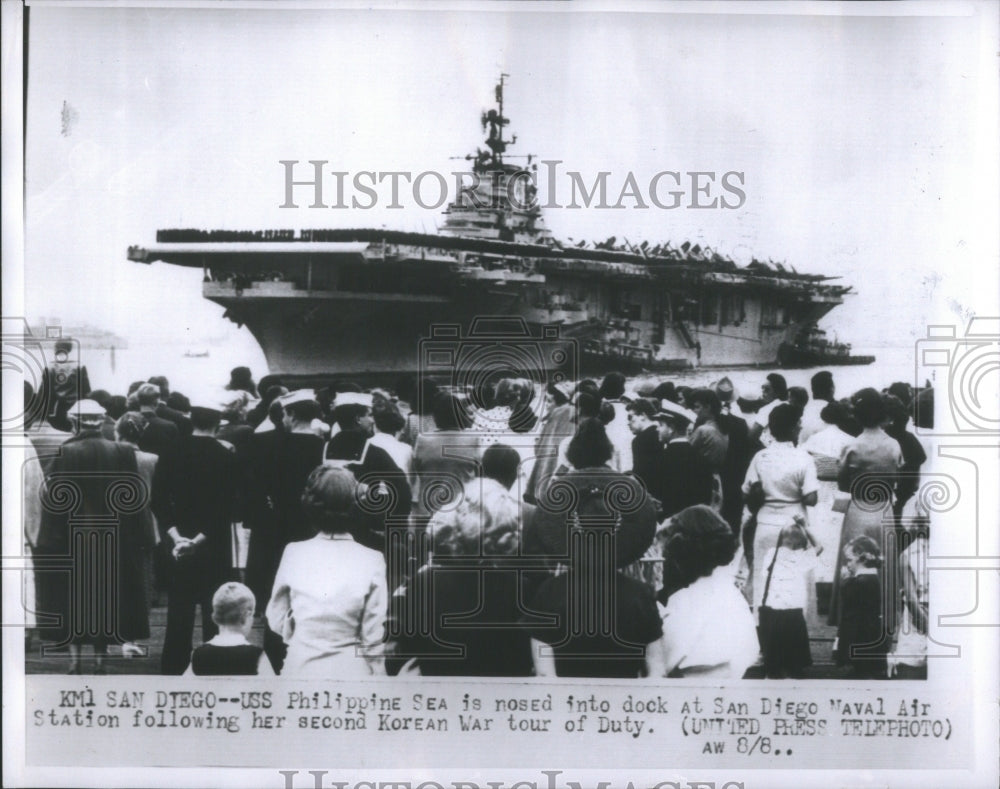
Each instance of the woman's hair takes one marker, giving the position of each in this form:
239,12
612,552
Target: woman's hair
896,410
869,408
782,421
835,413
388,419
697,542
865,550
232,603
130,427
485,523
793,538
514,392
329,499
450,412
613,386
588,405
501,462
590,447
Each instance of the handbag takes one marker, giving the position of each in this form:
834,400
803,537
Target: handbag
755,497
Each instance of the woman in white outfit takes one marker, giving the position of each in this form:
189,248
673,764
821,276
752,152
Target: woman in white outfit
329,600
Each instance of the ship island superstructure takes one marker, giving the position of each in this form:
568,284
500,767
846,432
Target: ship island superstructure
361,300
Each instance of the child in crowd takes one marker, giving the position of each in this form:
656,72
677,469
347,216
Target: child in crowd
909,658
862,641
229,653
783,636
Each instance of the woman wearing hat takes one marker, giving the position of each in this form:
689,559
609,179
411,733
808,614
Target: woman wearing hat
92,481
592,520
329,599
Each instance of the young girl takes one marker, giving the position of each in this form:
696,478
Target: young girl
862,642
229,653
783,636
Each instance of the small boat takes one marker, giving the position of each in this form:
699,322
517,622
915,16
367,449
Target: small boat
812,348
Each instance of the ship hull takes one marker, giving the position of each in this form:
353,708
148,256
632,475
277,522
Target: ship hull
791,357
365,335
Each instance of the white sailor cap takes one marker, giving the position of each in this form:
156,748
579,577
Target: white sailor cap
298,396
352,398
670,410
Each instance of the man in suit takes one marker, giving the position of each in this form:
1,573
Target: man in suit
685,478
738,456
161,436
647,450
202,493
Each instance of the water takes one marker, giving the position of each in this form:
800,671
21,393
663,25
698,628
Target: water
198,376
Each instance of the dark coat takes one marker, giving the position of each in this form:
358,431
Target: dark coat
184,426
161,437
202,490
647,458
91,507
687,479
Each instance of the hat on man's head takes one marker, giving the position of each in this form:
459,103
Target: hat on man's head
87,408
87,412
353,398
147,393
298,396
672,412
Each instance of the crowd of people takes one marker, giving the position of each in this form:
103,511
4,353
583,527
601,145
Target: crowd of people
575,529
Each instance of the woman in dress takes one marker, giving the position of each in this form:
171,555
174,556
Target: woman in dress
708,630
787,476
868,471
557,423
329,600
826,519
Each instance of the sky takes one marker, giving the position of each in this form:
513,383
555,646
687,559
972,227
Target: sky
867,142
